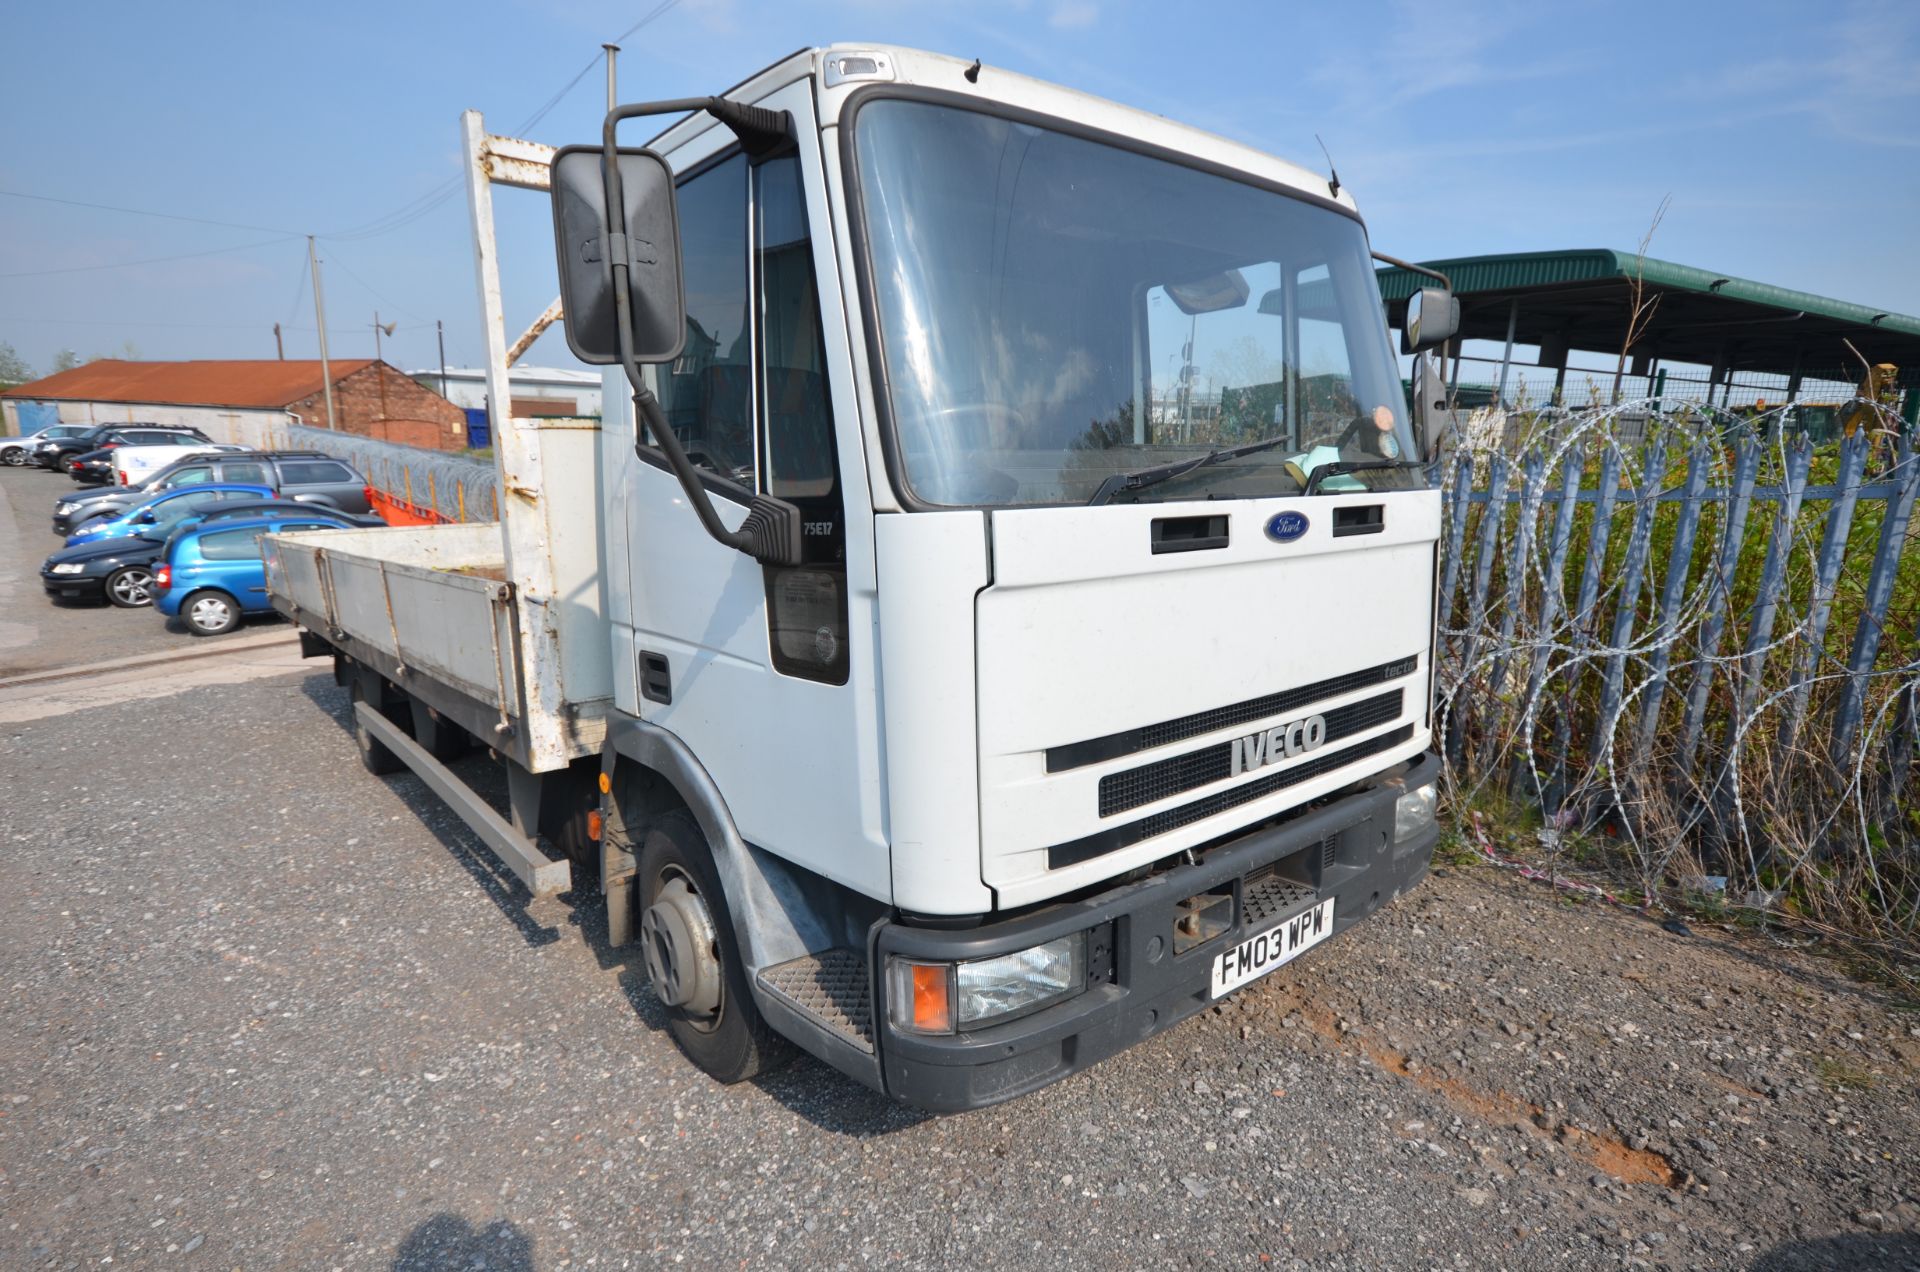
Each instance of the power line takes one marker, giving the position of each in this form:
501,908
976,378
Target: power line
299,291
134,322
377,293
398,218
151,260
165,216
409,212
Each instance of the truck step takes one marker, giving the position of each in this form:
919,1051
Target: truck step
1270,896
831,987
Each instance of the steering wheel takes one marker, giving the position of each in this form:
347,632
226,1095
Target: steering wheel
1381,421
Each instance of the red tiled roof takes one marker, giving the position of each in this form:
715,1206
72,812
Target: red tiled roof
213,383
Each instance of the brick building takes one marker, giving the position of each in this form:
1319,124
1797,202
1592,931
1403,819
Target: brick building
249,403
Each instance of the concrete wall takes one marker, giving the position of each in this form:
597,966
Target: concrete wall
243,427
468,390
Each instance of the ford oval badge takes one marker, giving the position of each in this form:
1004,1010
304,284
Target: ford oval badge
1285,527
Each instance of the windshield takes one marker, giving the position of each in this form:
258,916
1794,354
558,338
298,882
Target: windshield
1057,315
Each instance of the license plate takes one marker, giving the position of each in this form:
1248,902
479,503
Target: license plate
1258,955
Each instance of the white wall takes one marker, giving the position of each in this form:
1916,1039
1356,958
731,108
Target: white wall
468,389
262,429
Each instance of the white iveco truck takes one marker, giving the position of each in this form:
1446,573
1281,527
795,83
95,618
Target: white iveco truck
994,616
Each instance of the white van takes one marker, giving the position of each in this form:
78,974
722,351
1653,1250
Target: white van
132,465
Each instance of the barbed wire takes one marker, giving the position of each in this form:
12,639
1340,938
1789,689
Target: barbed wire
1611,704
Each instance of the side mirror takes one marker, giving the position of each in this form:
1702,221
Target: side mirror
1433,318
651,246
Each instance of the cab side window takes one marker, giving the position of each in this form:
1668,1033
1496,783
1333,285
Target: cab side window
806,604
707,392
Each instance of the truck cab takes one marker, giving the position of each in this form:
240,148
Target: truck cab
1013,558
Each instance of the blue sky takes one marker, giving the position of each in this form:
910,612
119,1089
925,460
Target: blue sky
1788,135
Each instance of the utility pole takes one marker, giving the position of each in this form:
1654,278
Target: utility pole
440,334
279,346
613,51
320,316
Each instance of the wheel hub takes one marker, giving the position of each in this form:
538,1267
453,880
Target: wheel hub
677,936
132,586
209,613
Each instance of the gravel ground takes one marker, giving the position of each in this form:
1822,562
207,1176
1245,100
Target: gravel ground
35,633
260,1010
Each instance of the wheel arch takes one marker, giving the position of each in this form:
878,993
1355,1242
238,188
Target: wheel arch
779,911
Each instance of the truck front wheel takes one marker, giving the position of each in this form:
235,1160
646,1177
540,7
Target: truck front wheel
693,961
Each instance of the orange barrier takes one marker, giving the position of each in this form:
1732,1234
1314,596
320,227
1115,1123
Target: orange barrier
400,512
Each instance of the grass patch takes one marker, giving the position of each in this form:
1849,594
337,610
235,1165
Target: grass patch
1838,1075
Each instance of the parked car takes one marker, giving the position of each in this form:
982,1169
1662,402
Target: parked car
280,508
213,575
94,468
132,465
51,452
17,452
163,509
305,476
58,454
120,571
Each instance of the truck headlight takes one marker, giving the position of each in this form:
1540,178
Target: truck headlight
941,998
68,567
1414,812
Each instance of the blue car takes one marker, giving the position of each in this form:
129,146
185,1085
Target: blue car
213,574
152,515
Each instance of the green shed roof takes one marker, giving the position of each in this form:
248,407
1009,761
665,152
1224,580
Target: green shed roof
1580,298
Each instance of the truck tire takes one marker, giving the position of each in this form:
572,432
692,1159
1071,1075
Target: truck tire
374,754
445,741
686,936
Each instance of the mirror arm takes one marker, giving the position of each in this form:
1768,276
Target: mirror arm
771,532
1397,263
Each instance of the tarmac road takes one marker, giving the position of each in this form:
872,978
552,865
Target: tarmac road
35,633
261,1010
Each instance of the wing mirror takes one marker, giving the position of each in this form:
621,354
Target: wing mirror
648,241
1433,318
616,232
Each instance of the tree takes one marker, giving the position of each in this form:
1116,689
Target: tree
13,367
65,360
128,352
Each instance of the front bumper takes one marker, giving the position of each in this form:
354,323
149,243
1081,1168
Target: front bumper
1137,985
73,587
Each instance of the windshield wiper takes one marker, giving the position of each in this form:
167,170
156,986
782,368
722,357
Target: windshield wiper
1346,466
1140,478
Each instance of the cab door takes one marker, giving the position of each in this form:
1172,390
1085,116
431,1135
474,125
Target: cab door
765,672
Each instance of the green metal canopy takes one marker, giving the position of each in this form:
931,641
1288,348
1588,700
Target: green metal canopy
1581,300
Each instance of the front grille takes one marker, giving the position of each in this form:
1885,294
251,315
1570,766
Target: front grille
1080,754
1150,782
1125,836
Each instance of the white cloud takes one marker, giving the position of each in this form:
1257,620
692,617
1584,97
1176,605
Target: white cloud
1073,15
